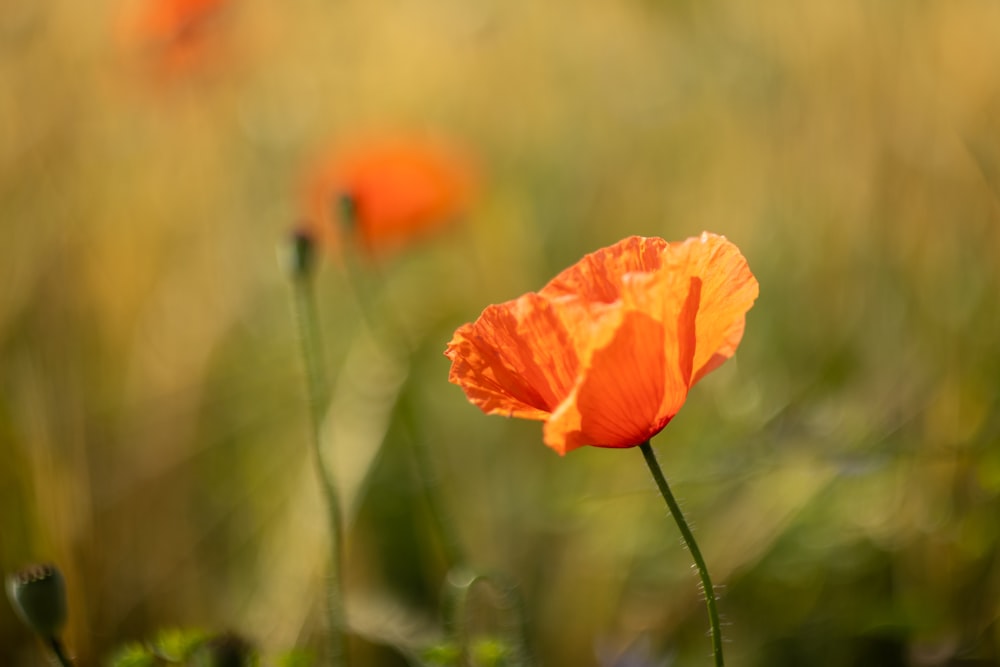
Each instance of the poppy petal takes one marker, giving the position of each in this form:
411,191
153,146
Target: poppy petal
401,189
598,276
606,352
727,290
617,402
517,359
671,299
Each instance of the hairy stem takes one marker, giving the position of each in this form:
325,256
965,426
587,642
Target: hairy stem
316,394
692,545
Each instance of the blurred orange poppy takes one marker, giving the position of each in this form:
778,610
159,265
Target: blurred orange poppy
606,352
175,36
386,193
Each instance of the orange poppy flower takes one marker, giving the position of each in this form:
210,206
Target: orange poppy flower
398,190
176,36
606,352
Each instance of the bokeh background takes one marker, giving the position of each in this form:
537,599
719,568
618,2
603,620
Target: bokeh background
842,471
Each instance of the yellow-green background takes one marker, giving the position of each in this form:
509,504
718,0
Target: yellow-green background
842,472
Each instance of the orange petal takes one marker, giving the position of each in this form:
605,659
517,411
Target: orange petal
177,36
402,189
727,290
700,295
618,400
611,345
598,276
726,350
517,359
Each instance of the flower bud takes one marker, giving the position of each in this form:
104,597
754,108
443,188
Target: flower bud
302,252
38,595
346,211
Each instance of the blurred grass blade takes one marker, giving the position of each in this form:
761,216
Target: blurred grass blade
358,416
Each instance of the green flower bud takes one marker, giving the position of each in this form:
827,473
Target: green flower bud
302,252
38,595
347,211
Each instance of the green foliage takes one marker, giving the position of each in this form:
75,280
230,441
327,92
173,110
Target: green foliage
445,654
196,648
176,645
133,655
491,652
484,652
296,658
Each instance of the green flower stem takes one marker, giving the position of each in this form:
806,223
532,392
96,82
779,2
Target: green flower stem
316,388
692,545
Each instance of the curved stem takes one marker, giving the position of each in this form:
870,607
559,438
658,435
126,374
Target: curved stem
692,545
309,337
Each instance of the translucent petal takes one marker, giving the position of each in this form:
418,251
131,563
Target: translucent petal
517,359
607,350
597,277
721,291
617,402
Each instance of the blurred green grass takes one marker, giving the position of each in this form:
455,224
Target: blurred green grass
842,471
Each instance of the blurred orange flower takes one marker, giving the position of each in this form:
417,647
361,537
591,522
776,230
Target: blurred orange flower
175,36
397,190
606,352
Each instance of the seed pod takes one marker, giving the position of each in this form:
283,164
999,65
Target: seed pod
38,595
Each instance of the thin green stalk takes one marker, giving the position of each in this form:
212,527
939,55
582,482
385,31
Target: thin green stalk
316,393
692,545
